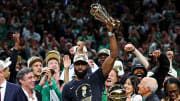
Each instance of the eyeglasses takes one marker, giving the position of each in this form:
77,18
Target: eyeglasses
80,63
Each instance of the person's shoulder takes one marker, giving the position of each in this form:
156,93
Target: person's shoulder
138,96
99,70
97,73
69,84
156,98
153,97
13,85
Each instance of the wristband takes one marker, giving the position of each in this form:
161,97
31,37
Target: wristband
110,34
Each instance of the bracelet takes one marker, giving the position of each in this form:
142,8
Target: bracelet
110,34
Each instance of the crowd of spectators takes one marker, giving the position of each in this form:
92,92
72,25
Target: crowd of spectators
46,25
51,24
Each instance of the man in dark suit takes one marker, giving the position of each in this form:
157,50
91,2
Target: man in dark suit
25,78
9,91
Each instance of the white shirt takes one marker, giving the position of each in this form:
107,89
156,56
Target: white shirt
71,73
93,69
3,89
136,97
28,97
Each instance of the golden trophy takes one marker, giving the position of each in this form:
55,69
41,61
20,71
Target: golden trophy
100,13
116,93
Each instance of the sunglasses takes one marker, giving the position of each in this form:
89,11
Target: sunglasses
173,91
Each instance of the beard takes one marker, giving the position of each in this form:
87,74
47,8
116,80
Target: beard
82,74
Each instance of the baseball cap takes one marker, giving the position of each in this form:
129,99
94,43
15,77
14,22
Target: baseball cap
104,51
80,57
139,66
5,64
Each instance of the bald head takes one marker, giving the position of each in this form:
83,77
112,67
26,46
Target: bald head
147,86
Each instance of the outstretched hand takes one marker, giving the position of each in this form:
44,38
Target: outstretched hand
67,61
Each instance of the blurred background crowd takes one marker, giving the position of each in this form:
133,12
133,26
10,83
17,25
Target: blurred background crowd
58,24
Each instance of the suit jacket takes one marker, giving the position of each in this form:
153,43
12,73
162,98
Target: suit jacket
14,92
38,95
152,97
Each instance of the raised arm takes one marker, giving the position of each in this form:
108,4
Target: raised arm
170,54
81,48
67,64
141,58
162,69
14,58
109,62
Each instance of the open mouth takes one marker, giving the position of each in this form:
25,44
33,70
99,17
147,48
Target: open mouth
109,80
173,97
126,89
39,71
139,75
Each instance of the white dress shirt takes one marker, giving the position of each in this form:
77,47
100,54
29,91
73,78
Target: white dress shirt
3,89
28,97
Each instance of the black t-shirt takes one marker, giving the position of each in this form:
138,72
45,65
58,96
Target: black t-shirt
89,89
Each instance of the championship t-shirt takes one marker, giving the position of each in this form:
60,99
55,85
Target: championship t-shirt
89,89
